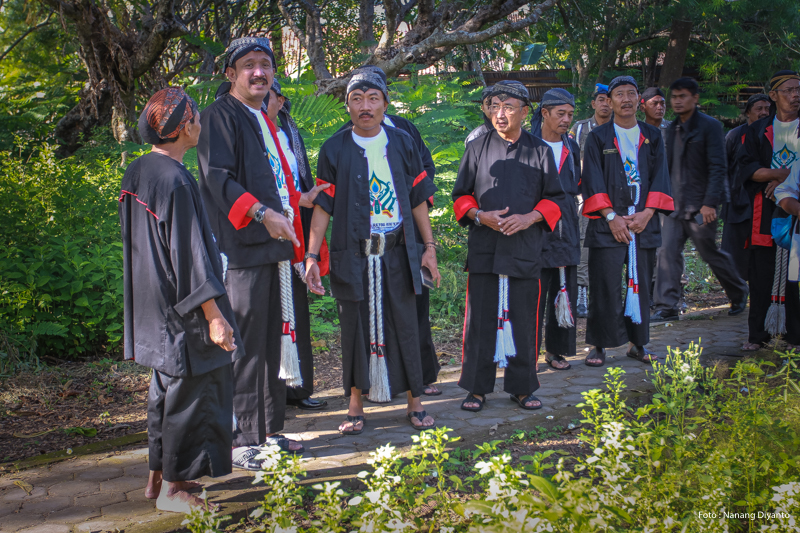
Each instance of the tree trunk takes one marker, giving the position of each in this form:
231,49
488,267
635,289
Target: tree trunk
675,57
366,31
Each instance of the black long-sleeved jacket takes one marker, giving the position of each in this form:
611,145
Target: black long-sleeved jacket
738,209
562,246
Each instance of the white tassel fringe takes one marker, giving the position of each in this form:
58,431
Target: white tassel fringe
563,309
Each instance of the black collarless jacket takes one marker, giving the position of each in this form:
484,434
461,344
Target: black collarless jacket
562,246
704,166
495,174
756,153
604,184
738,208
234,175
342,163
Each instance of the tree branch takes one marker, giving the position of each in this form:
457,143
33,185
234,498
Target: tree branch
22,37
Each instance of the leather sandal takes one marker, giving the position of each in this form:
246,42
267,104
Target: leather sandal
597,353
353,421
549,361
641,354
419,415
471,398
529,398
283,443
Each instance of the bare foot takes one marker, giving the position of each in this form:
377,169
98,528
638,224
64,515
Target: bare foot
529,403
790,347
431,390
176,499
426,422
348,427
153,488
750,347
474,405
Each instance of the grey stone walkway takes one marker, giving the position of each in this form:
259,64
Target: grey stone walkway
104,492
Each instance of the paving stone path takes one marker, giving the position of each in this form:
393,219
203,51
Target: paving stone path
105,492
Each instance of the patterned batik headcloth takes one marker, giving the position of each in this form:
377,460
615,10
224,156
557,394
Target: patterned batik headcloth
165,115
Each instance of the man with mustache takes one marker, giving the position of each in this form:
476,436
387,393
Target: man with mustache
770,157
430,362
243,178
653,104
625,182
486,101
579,132
561,252
507,192
378,200
696,160
737,213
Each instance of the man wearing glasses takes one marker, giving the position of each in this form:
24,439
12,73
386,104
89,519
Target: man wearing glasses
507,193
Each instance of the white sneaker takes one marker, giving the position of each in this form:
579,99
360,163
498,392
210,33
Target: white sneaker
244,458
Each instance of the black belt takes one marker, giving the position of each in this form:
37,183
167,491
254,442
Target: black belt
392,238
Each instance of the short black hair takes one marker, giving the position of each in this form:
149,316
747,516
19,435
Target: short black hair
688,84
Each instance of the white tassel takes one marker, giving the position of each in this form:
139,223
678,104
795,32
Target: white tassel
508,332
290,361
379,388
775,323
500,345
563,309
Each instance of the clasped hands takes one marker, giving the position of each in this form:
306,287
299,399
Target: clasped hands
623,226
511,224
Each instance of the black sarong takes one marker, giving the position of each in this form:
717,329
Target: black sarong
607,327
762,272
302,328
399,329
259,395
478,368
427,351
558,340
189,424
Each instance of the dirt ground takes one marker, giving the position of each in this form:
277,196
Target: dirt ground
71,404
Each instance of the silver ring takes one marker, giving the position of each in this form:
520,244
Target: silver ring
281,239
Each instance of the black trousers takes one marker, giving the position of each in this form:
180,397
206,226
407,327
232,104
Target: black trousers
427,351
607,326
401,337
674,233
761,275
189,424
302,328
478,368
734,242
558,340
259,395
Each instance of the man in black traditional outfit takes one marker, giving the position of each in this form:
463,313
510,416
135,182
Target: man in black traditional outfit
737,214
378,200
653,104
771,154
507,192
624,182
430,363
580,132
486,127
295,151
178,320
561,252
243,179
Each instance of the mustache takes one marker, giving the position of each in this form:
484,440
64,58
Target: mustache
365,114
253,81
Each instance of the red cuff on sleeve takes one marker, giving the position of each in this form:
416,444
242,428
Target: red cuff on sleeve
659,200
463,205
419,178
238,213
596,203
550,211
330,191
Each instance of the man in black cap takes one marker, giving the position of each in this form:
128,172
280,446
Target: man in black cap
486,101
561,252
430,362
737,214
769,156
625,182
378,201
295,151
698,170
178,320
579,132
507,192
653,104
253,212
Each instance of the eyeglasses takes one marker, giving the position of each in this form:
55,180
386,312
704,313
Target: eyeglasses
507,109
790,91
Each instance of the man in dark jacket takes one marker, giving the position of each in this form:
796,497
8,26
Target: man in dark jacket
243,180
486,127
625,182
737,214
697,165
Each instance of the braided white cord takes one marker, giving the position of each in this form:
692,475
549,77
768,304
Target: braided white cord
285,272
562,276
783,257
371,278
632,266
379,290
777,277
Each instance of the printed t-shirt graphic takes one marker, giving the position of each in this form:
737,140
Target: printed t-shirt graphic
786,147
290,158
628,140
384,208
273,157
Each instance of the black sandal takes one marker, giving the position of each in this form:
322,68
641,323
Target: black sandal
353,421
283,443
642,355
471,398
597,353
419,415
437,393
549,361
529,398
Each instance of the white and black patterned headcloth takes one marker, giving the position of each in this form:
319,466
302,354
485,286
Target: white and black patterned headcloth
512,88
244,45
365,80
622,80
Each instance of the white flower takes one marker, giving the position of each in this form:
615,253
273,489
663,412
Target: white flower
355,501
688,379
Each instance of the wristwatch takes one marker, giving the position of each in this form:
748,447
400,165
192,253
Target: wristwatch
477,218
259,215
611,216
309,255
